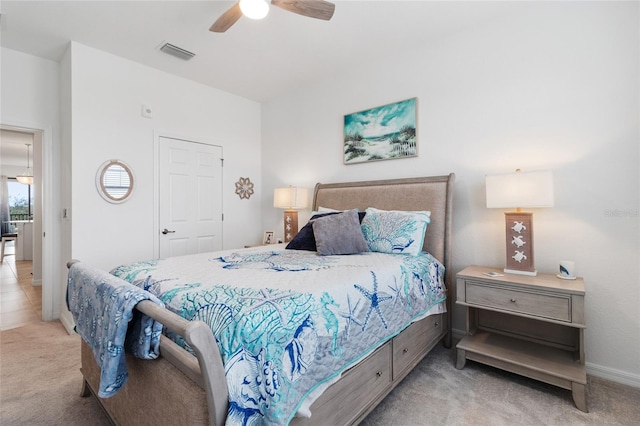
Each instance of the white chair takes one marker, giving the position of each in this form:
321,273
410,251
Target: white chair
5,238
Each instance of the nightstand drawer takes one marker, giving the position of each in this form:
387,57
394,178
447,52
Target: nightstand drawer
556,307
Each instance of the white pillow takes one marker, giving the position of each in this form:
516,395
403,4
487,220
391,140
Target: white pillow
328,210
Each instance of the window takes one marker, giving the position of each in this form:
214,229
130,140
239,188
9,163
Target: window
116,181
20,200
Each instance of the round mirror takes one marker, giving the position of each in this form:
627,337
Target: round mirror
114,181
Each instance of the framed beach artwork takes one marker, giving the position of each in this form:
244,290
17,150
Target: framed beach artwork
381,133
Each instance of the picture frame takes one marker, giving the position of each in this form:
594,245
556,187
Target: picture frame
268,238
382,133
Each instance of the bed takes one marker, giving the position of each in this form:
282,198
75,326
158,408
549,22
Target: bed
187,383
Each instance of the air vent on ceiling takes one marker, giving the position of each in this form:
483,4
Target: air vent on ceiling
176,51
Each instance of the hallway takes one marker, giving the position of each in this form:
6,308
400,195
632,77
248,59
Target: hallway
20,302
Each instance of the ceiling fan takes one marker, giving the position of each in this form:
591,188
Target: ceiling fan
258,9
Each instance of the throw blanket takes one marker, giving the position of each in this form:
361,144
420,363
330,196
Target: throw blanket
102,307
288,321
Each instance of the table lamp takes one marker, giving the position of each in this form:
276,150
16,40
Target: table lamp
290,199
517,190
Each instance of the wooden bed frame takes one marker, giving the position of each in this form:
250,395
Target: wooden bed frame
178,388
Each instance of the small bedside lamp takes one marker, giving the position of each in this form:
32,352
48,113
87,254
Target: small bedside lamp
516,190
290,199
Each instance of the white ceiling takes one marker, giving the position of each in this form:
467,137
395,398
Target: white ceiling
13,151
258,60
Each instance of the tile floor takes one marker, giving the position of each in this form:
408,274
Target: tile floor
20,302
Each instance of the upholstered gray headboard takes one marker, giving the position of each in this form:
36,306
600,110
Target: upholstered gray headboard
433,193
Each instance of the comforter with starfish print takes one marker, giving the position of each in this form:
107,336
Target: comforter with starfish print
287,322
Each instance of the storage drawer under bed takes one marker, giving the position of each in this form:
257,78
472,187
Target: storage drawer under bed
409,346
370,377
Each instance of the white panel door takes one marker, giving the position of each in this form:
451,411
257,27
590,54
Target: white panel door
190,197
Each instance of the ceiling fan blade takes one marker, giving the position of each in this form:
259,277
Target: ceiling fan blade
318,9
224,22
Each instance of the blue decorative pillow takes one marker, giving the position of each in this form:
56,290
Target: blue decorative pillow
392,231
305,239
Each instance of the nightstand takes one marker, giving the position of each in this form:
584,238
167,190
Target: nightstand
532,326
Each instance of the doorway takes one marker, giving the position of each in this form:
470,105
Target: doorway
189,177
27,261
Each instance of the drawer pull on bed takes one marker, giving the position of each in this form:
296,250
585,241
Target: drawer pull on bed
405,350
513,300
379,373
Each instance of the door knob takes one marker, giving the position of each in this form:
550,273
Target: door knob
165,231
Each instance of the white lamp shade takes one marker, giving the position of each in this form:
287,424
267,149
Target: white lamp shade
290,197
520,189
25,178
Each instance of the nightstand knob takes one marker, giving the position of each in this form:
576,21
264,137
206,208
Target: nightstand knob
513,300
436,324
379,373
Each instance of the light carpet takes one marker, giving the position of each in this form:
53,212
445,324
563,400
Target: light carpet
40,379
436,393
40,384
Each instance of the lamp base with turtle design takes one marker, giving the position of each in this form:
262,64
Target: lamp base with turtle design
519,233
290,224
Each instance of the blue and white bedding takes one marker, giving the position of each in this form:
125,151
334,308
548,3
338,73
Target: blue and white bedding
288,321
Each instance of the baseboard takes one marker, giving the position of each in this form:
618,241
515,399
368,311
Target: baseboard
67,321
613,375
457,335
36,283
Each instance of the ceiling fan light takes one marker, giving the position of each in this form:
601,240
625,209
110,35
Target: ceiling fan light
254,9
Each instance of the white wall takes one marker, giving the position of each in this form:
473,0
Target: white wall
64,165
9,170
30,99
107,93
553,87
